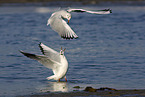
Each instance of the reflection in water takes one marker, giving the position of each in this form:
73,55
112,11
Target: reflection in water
55,87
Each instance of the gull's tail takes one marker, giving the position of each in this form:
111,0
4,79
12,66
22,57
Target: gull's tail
51,77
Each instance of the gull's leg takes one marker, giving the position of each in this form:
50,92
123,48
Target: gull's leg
65,79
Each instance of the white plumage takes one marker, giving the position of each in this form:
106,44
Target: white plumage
52,60
59,25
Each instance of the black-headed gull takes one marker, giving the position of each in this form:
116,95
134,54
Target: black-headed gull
59,25
52,60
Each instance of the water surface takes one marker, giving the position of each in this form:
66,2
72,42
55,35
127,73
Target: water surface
110,50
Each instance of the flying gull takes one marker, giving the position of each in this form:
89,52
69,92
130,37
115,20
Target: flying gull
58,24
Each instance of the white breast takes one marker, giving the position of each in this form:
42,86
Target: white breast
61,71
64,66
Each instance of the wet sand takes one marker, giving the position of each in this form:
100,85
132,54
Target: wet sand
110,93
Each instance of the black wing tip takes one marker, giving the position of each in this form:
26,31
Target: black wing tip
22,52
64,37
33,56
76,10
107,10
41,48
79,11
110,10
40,43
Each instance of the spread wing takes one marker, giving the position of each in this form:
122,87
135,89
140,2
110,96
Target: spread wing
61,27
105,11
52,54
49,63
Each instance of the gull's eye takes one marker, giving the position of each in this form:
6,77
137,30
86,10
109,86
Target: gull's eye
68,15
61,52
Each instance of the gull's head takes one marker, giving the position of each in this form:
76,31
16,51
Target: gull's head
68,17
62,51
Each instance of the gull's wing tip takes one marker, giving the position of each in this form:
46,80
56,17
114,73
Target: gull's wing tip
110,10
24,53
41,48
69,37
29,55
21,51
40,43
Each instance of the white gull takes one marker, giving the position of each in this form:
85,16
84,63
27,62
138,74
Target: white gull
58,24
52,60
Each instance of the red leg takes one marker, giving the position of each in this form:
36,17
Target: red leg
59,80
65,79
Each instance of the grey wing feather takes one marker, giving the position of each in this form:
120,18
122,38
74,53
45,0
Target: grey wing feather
54,55
42,59
61,27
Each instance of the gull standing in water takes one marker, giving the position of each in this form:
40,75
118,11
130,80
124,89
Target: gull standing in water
58,24
52,60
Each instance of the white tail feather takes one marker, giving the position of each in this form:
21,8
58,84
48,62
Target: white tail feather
51,77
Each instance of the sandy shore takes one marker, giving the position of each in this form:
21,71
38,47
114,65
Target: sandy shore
102,93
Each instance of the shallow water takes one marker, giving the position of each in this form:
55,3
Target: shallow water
110,50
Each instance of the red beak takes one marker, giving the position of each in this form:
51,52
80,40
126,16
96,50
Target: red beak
68,22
